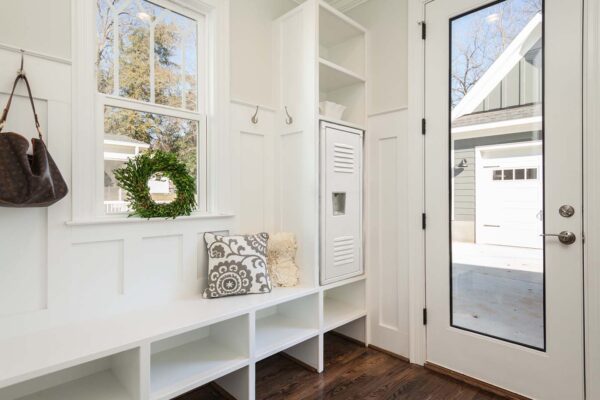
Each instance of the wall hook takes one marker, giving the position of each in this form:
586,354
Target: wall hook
21,71
254,118
288,119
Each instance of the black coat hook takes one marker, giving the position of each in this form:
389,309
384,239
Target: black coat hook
288,119
21,71
254,118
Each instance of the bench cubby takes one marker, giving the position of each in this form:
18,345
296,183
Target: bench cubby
183,362
115,377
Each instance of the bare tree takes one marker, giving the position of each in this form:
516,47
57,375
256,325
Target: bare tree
482,37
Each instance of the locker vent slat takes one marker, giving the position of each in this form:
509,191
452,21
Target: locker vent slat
343,250
343,158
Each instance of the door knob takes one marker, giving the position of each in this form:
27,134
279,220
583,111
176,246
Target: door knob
565,237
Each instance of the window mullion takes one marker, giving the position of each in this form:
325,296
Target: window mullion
182,78
151,58
116,53
122,102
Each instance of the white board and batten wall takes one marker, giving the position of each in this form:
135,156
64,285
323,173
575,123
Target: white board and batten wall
57,269
64,268
48,266
67,283
387,173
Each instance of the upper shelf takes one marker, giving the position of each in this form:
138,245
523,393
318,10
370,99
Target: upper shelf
335,27
333,76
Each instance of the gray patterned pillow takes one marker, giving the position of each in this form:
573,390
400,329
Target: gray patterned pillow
237,265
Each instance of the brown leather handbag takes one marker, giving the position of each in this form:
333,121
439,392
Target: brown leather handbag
27,180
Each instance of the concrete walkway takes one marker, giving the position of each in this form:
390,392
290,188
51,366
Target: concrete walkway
498,290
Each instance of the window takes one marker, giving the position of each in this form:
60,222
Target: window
151,89
514,174
532,173
519,174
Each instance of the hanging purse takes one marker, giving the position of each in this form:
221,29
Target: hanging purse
27,180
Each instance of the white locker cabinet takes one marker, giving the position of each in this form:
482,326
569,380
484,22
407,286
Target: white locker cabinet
341,202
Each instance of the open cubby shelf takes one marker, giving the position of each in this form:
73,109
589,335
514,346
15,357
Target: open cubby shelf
341,40
276,333
343,304
100,386
342,65
285,325
115,377
334,77
171,368
186,361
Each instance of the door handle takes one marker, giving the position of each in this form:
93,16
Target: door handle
565,237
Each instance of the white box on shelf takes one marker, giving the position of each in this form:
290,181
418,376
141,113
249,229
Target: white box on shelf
331,109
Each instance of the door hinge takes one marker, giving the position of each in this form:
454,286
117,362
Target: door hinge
424,221
423,30
423,126
424,316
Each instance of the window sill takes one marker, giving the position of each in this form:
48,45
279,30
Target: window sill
124,219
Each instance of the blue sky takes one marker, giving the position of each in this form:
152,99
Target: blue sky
480,37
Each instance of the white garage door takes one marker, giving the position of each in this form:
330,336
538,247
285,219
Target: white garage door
509,195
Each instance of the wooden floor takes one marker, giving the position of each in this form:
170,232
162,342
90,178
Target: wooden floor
351,372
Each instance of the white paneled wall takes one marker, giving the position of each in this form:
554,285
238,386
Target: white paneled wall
28,249
52,271
252,68
387,233
253,183
29,30
23,290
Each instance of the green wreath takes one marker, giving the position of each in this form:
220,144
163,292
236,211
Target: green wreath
134,176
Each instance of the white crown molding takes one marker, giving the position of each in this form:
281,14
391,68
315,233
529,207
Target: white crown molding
342,5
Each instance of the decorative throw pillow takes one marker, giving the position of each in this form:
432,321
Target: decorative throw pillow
281,259
237,265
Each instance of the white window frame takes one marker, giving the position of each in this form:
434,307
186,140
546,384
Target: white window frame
200,115
212,114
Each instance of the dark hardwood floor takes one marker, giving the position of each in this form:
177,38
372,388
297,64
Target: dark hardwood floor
351,372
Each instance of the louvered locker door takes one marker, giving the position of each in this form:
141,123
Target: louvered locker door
341,202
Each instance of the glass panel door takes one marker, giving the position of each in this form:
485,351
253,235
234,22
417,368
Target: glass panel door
503,160
496,171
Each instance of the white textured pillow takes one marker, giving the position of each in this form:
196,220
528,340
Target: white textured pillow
281,254
237,265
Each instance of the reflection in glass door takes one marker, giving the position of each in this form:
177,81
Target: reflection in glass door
497,172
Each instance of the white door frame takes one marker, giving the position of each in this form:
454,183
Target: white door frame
591,194
416,183
591,188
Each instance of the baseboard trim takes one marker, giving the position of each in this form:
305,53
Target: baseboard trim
222,391
300,363
348,338
389,353
475,382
